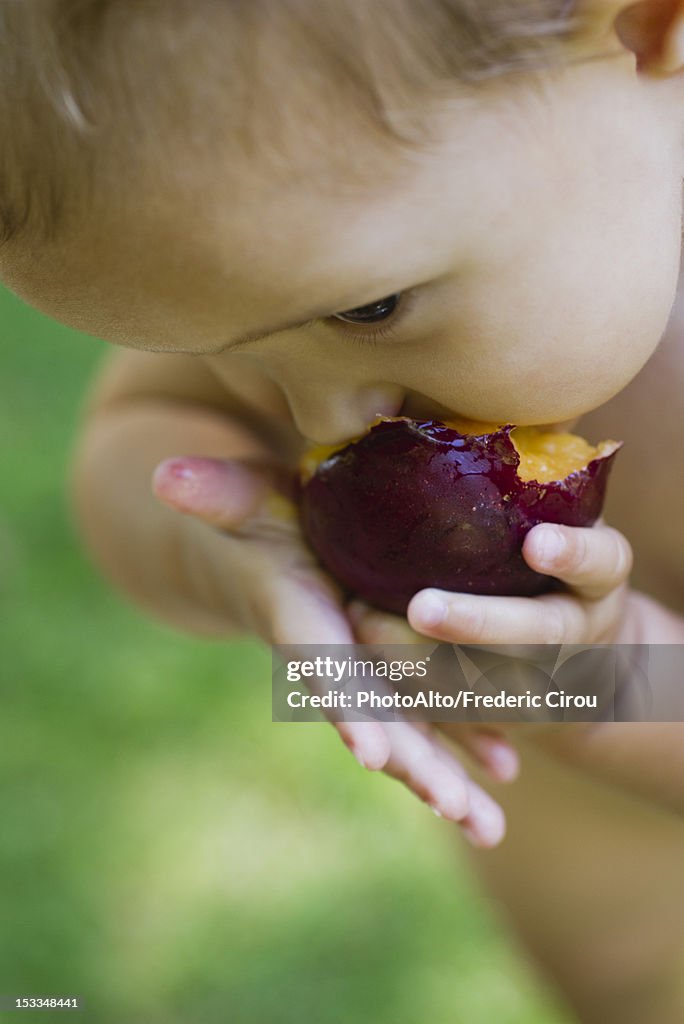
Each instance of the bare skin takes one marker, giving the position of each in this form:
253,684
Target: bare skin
589,879
530,297
604,916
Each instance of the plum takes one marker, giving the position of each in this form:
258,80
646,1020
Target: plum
418,503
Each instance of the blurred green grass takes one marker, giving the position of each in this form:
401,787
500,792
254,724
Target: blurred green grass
165,850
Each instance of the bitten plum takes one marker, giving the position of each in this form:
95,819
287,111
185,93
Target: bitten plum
414,504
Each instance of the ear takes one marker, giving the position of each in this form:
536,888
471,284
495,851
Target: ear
654,31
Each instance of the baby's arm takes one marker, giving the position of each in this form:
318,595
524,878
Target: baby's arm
143,408
229,564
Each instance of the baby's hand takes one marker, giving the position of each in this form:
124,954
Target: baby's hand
593,562
274,587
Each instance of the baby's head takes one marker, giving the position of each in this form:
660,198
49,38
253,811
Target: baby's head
490,190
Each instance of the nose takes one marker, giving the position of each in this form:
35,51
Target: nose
339,415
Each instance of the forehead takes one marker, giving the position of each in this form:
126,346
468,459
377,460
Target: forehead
217,238
259,228
351,212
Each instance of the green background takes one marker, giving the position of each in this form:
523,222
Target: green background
168,852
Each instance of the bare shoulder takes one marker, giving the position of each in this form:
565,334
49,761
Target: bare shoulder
217,381
231,384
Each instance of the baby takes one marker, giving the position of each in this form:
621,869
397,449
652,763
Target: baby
295,216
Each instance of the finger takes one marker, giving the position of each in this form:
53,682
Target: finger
367,741
374,627
409,752
485,823
430,770
434,775
489,749
591,560
222,492
307,611
477,619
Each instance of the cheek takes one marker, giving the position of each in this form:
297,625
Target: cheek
555,375
627,289
547,339
621,315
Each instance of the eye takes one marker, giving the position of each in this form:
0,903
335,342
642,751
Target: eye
373,313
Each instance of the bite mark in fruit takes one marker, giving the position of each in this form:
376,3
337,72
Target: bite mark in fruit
414,503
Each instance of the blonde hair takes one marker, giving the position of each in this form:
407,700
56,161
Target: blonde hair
89,89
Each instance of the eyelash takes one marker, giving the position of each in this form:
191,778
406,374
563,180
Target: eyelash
373,335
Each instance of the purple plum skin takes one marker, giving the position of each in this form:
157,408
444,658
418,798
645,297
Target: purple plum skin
416,504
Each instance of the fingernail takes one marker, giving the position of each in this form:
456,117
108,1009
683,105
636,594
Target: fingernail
488,818
479,841
471,836
181,471
176,468
360,759
429,611
173,479
435,811
552,545
504,760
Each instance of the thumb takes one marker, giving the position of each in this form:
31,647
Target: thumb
221,492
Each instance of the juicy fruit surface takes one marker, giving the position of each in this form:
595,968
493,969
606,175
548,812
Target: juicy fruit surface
545,457
416,504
